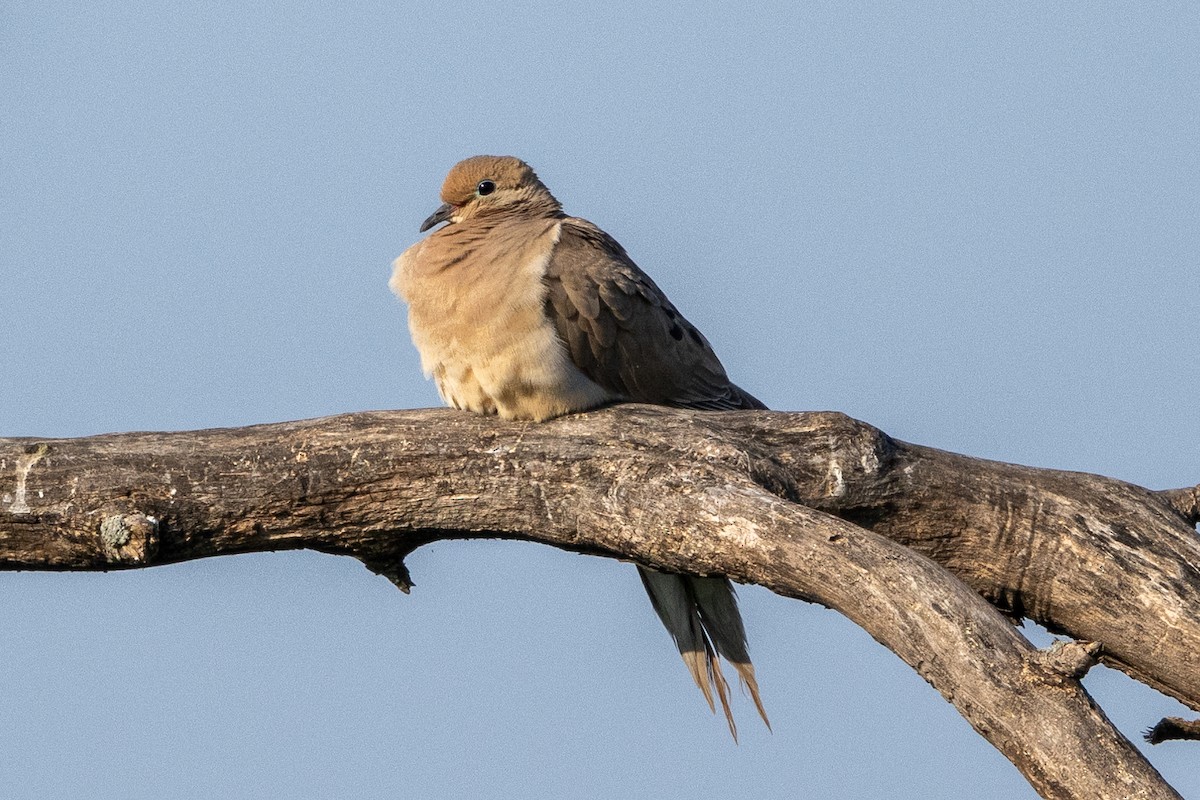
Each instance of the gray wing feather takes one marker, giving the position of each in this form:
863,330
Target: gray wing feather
623,333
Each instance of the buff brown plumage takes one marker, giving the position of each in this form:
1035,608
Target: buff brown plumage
522,311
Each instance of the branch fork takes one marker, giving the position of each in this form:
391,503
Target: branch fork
908,542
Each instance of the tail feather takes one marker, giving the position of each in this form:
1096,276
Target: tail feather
702,617
717,603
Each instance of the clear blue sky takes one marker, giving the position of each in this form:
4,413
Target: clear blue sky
974,226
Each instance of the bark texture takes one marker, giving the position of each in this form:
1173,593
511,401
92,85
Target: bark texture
906,541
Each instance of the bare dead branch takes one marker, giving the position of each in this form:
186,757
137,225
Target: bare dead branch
1070,659
1174,728
1185,501
1092,557
795,502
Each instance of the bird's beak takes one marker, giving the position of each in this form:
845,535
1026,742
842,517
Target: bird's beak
444,212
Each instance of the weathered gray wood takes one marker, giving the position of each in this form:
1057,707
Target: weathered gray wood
815,506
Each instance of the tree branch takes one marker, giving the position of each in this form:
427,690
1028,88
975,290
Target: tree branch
1096,558
783,500
1185,501
1173,728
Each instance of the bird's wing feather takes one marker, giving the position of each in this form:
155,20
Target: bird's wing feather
623,333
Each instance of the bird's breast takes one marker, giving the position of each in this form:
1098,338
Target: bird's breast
477,313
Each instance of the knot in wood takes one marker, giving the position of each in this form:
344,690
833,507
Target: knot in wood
129,538
1066,661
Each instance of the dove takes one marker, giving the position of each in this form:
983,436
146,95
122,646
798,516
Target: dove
524,312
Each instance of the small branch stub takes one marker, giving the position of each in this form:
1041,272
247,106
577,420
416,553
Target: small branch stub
395,570
1173,728
1068,660
1185,501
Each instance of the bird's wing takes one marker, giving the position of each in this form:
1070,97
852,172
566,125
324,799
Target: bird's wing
623,333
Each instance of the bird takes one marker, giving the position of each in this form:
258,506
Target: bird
522,311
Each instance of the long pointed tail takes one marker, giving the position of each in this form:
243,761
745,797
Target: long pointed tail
701,614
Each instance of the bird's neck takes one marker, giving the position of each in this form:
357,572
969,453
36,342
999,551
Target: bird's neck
533,203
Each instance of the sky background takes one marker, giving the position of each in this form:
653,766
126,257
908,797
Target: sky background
973,225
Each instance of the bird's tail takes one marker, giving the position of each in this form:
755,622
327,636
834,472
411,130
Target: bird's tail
701,614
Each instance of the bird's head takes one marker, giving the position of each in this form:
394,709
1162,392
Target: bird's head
483,185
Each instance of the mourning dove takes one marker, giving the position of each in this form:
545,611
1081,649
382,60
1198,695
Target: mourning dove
522,311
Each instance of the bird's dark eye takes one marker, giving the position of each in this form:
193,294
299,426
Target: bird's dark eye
485,188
